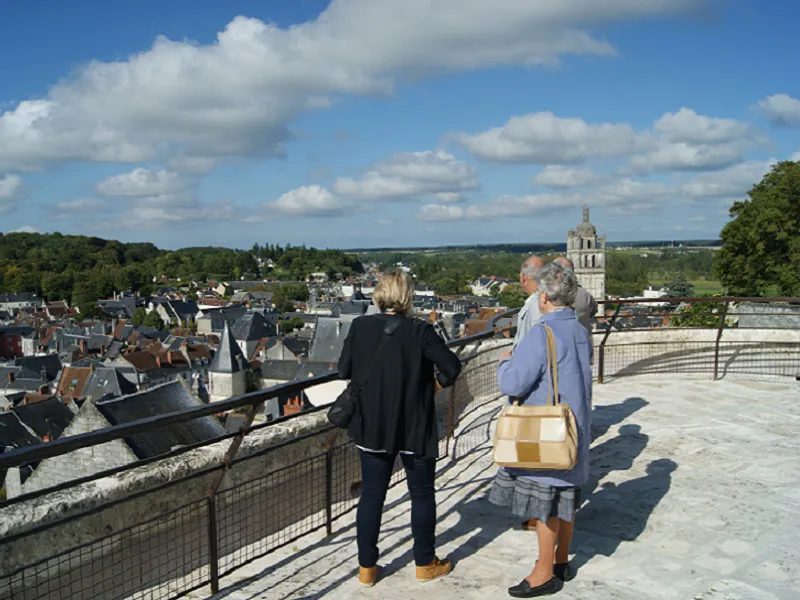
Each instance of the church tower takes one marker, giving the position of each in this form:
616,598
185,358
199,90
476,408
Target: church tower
227,376
587,251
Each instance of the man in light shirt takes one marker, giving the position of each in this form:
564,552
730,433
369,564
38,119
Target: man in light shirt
529,314
585,304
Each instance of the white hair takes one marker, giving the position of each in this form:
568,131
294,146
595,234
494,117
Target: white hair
559,283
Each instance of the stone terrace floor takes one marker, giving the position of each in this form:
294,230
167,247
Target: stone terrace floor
695,494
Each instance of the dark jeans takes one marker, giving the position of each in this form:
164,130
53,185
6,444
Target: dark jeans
376,470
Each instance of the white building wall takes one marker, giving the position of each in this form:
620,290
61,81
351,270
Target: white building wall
222,386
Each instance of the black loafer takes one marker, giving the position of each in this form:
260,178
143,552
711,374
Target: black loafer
563,572
524,589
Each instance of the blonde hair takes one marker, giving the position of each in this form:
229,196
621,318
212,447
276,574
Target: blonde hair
394,292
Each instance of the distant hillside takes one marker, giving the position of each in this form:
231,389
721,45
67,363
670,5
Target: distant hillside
541,247
83,269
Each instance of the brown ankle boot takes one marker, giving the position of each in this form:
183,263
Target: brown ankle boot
367,576
438,568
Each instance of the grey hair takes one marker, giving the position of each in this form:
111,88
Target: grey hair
559,283
531,267
563,260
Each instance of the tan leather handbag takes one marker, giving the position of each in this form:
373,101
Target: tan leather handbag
538,437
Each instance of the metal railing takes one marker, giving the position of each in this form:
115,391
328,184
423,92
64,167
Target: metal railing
198,527
762,351
189,531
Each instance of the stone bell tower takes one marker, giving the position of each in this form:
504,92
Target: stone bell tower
587,251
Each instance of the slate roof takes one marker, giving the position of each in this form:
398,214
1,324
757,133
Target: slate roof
329,338
13,434
312,368
229,357
351,307
108,382
48,365
48,418
252,327
162,399
297,346
280,370
21,297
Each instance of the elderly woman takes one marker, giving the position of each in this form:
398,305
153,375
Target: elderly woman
549,497
397,416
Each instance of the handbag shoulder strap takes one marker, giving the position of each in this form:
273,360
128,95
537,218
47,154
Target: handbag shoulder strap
552,367
391,326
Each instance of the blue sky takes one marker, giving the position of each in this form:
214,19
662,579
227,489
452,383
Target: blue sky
390,122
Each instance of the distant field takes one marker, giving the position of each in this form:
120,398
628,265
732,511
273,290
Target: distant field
702,287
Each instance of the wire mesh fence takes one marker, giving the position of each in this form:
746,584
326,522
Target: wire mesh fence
164,557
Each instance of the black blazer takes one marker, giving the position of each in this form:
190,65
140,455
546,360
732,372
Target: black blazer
397,410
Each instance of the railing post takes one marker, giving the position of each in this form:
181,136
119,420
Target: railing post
329,484
601,351
720,328
213,545
451,413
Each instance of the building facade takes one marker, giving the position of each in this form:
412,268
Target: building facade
587,251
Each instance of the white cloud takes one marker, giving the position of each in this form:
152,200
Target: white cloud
311,200
236,96
439,212
407,176
683,140
557,176
543,138
450,197
25,229
81,204
730,183
795,156
686,126
781,110
692,142
624,195
141,183
10,191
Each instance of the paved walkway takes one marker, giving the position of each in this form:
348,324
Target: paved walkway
695,495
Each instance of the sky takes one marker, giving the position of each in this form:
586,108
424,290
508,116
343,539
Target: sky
391,123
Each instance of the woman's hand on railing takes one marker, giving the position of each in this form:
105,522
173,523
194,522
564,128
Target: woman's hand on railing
504,356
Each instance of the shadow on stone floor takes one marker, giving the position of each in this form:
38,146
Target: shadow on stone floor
347,565
619,513
606,416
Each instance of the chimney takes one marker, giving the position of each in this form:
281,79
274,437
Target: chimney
43,389
82,345
11,377
338,328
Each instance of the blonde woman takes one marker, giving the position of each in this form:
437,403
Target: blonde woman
395,416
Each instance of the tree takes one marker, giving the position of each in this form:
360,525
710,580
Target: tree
761,244
627,275
139,316
680,287
153,320
513,295
701,314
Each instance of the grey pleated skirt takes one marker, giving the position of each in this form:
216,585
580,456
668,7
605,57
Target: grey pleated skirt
530,499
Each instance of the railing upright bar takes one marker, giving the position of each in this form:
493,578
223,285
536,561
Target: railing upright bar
720,329
601,358
213,544
230,454
329,483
